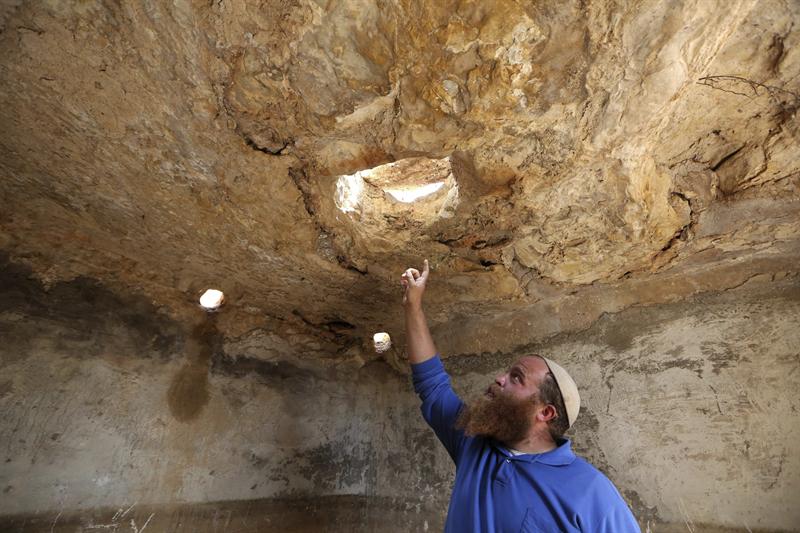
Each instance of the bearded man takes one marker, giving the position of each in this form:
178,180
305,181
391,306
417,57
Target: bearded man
515,472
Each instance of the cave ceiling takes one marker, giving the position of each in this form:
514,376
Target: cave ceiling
577,158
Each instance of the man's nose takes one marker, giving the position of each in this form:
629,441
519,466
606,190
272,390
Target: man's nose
501,380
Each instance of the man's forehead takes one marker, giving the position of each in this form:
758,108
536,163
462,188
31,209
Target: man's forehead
532,364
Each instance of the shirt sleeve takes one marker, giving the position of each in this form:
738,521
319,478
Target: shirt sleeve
440,404
616,516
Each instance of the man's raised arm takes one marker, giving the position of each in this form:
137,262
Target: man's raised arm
440,405
418,336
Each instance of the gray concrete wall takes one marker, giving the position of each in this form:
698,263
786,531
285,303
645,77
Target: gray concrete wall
691,408
108,404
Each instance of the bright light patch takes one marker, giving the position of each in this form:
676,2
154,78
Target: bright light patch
348,192
212,299
410,194
382,342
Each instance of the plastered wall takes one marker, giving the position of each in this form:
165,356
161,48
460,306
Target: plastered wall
690,408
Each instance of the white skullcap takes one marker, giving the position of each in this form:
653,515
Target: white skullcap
569,391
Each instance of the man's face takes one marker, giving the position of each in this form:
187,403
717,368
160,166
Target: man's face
507,409
521,380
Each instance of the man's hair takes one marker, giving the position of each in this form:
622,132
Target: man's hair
549,393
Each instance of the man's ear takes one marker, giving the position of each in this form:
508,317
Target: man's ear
546,413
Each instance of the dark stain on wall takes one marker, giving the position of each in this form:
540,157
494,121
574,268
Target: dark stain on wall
650,366
335,465
585,442
282,373
81,318
188,393
642,512
268,372
6,387
722,355
258,461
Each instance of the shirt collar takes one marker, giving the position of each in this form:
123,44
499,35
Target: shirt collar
560,456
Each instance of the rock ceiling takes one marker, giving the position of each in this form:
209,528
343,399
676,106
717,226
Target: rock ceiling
586,156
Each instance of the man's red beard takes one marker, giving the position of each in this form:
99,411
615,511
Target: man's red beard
499,416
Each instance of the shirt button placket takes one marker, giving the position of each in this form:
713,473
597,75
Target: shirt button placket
503,473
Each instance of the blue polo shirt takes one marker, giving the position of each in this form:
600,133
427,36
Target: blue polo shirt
496,491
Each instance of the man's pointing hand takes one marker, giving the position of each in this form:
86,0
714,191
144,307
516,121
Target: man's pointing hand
414,284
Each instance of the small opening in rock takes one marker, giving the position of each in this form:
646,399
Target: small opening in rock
425,183
382,342
212,299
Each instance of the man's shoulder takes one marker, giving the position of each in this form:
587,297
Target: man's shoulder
600,499
582,465
591,478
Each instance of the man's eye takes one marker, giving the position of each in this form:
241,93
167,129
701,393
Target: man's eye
515,378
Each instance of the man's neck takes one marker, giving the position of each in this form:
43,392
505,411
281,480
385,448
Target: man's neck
533,444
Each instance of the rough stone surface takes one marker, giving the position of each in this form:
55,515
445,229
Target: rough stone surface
596,159
590,147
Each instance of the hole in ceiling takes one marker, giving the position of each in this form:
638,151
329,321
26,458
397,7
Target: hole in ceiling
212,299
418,183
